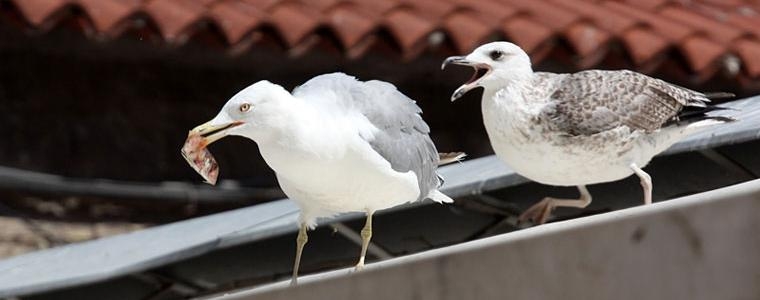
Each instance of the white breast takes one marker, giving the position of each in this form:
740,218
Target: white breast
354,179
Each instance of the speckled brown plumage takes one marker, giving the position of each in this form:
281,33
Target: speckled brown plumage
594,101
583,128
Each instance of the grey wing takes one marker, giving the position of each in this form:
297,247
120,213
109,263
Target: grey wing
594,101
402,139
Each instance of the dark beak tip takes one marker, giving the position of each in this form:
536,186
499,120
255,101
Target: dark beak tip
451,59
445,63
455,97
457,94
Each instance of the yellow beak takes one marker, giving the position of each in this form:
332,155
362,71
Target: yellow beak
212,132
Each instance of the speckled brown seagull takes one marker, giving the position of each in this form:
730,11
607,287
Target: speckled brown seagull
577,129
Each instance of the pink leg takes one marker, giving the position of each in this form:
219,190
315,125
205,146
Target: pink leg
646,183
540,212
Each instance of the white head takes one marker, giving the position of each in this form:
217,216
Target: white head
256,112
500,63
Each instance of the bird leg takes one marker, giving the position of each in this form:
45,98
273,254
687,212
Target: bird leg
300,242
646,182
540,212
366,236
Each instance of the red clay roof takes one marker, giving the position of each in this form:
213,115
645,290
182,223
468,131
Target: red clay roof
709,35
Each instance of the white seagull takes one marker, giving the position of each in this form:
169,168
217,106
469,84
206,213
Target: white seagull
337,145
582,128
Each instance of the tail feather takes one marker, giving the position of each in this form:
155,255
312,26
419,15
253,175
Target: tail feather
702,99
696,112
450,157
722,119
711,120
718,95
439,197
699,113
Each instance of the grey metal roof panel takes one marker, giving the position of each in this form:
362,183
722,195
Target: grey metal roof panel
123,254
110,257
668,250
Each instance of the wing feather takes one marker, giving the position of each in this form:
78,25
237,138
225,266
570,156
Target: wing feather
402,136
594,101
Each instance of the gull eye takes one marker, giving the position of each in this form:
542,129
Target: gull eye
496,55
244,107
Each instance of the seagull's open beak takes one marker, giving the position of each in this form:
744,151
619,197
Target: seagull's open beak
211,132
481,70
457,60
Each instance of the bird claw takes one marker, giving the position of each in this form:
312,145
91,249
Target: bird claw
537,214
358,267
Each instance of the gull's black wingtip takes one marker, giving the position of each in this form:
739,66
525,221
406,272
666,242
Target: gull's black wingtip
719,95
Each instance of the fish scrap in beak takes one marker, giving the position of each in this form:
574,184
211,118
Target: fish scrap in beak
195,149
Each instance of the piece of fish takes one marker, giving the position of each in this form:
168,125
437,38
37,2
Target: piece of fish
200,158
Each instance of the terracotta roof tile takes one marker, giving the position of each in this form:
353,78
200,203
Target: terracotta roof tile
643,45
717,30
105,14
607,19
746,21
174,16
380,7
669,29
701,52
36,11
492,12
263,4
706,33
324,5
527,33
350,24
547,13
408,28
466,30
235,18
749,53
588,41
433,9
728,3
646,4
293,22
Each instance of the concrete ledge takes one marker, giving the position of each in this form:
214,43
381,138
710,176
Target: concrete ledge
676,249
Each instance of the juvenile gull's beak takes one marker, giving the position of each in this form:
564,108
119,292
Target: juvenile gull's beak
473,82
212,132
457,60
